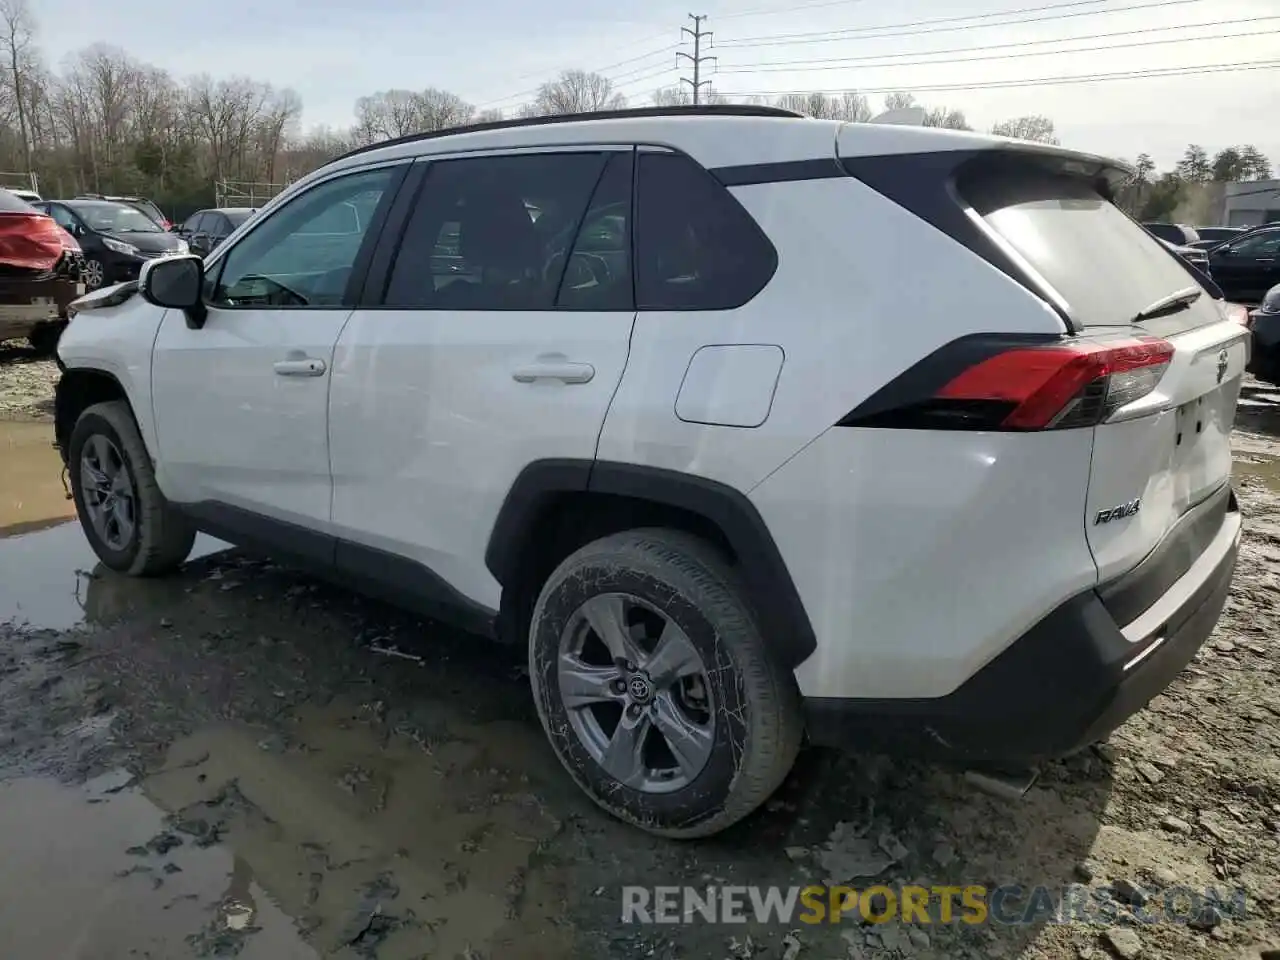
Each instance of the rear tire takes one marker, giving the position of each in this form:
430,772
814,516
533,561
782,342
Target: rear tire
737,741
128,522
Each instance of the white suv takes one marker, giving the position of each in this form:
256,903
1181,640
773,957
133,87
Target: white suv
753,427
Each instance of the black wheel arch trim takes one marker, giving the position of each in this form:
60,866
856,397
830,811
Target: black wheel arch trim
783,618
61,426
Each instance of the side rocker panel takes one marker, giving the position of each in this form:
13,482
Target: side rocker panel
783,618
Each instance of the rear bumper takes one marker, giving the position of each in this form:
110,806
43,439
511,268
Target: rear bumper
1068,682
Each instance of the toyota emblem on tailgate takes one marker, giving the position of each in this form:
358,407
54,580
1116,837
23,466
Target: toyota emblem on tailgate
1222,365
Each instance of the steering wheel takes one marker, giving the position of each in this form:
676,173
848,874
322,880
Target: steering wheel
596,265
293,295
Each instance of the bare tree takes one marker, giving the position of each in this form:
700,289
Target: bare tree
1030,127
397,113
899,101
17,33
575,91
683,97
946,118
847,106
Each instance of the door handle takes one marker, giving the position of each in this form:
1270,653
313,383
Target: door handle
304,367
554,369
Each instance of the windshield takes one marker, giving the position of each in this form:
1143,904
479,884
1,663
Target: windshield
115,218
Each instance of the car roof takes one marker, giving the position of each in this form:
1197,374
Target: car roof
726,135
93,202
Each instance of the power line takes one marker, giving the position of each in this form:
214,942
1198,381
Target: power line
612,66
648,76
914,28
841,63
765,11
1039,81
697,58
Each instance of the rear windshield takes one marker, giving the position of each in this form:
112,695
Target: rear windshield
1106,267
12,203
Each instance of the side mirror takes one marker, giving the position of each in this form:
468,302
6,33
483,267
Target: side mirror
175,283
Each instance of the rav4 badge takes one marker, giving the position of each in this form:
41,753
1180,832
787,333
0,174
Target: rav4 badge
1119,512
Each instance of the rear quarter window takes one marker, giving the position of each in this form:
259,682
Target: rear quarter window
1105,266
696,247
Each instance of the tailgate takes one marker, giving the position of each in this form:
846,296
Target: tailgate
1150,471
1158,458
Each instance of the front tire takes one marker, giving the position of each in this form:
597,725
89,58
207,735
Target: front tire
655,687
128,522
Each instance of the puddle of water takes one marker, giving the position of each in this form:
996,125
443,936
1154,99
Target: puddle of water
377,843
70,888
31,491
47,582
1262,468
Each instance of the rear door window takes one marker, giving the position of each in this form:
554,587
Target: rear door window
696,247
494,233
1104,266
1264,246
597,275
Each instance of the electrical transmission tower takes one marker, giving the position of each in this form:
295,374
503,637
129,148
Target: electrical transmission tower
696,58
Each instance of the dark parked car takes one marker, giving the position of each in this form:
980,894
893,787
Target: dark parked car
1210,237
39,274
1193,255
1179,234
142,203
205,229
116,238
1264,359
1247,268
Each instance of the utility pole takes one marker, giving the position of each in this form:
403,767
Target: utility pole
697,59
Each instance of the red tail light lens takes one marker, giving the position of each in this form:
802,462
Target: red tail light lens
32,241
1059,386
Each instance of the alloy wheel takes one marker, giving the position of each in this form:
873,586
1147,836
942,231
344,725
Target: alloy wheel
93,274
636,693
108,492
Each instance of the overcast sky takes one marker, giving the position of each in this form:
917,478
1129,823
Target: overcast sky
495,52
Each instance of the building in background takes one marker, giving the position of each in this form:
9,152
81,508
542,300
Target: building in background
1251,204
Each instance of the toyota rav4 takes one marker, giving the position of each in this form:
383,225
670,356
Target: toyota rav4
753,428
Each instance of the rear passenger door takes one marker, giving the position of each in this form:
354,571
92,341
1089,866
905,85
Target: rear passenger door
494,331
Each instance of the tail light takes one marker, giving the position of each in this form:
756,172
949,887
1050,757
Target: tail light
998,383
33,241
1236,312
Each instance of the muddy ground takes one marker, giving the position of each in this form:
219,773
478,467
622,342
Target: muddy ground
241,761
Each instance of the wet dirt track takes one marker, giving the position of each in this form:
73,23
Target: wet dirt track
241,761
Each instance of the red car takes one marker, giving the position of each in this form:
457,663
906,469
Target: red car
40,266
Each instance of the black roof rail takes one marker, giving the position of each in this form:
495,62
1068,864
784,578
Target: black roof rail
700,110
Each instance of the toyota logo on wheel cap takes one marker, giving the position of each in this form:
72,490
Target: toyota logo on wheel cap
639,689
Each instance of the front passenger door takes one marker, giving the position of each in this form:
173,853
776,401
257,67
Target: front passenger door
241,404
